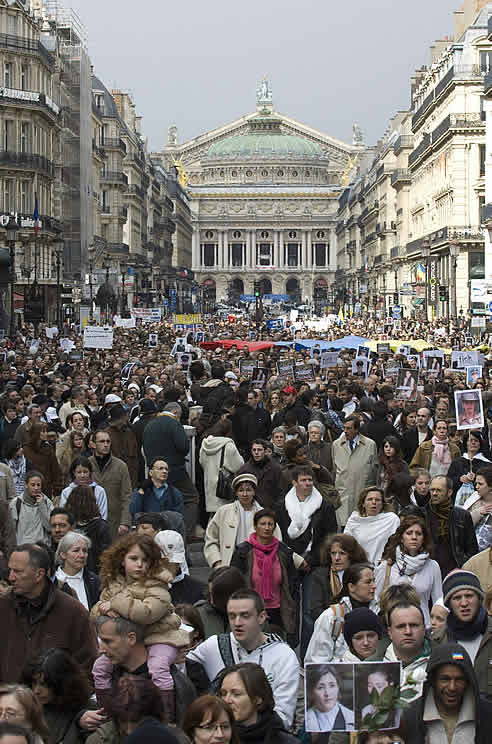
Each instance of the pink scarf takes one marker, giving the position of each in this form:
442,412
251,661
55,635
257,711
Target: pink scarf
265,556
440,450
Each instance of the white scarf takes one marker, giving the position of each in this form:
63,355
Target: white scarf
408,565
300,512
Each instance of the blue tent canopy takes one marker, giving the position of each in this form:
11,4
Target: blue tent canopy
347,342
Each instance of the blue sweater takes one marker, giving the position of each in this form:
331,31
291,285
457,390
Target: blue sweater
150,499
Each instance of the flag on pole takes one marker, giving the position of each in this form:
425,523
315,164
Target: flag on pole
36,214
420,273
340,315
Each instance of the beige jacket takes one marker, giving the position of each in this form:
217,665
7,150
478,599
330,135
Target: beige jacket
146,602
221,535
115,479
354,470
481,565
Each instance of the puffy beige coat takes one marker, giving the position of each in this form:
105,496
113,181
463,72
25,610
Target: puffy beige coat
146,602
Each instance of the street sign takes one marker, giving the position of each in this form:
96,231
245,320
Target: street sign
396,311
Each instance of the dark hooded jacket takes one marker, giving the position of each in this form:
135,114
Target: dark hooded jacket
413,728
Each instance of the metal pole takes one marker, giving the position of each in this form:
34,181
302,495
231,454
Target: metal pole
91,268
58,318
12,287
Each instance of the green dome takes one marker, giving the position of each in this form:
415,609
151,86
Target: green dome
271,146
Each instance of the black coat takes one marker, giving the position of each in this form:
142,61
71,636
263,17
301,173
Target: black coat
303,415
378,429
98,531
187,591
461,534
92,586
262,423
461,466
323,523
410,442
268,474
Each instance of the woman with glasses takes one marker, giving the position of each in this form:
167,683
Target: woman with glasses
209,719
19,705
246,689
232,524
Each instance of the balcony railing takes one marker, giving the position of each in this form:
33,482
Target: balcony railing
18,44
457,72
419,151
400,175
113,143
114,177
27,160
29,98
467,232
135,190
116,211
404,140
133,158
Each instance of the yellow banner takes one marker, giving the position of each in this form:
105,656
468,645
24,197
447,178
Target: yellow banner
188,318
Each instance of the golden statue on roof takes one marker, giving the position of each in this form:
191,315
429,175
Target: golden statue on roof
182,174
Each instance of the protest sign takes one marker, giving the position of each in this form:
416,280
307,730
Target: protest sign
304,372
51,332
464,359
153,340
285,369
246,367
406,385
66,344
96,337
328,359
364,691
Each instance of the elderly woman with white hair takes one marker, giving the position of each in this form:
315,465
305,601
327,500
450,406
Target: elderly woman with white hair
71,559
317,450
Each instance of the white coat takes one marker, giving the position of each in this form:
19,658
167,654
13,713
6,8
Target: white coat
210,454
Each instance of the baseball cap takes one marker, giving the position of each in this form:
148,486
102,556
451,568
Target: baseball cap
289,390
172,546
112,398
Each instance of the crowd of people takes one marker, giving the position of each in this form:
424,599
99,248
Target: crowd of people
344,520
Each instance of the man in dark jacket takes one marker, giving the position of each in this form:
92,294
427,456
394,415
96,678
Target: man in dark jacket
380,426
36,615
214,393
291,403
123,440
415,436
450,708
156,495
165,438
148,411
268,474
468,623
452,530
262,422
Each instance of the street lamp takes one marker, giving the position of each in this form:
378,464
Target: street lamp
11,239
454,249
425,251
123,269
58,252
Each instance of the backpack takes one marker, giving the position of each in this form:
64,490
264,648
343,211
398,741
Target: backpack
225,649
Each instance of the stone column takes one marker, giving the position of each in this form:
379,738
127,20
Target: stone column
309,250
247,249
303,250
332,250
225,249
253,249
280,249
275,249
194,251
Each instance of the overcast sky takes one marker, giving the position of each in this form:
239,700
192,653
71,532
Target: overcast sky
197,64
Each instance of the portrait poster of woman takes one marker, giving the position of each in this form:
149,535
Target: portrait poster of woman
329,697
371,679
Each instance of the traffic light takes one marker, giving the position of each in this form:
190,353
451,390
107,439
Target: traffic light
443,293
257,289
395,298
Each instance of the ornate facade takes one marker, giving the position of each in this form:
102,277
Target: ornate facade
264,197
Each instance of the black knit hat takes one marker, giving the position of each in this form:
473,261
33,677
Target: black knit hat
460,580
361,619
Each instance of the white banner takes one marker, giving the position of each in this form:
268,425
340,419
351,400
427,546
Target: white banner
96,337
66,344
124,322
147,314
51,332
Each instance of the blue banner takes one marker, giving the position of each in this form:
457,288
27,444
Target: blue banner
275,324
247,298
